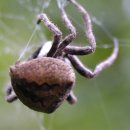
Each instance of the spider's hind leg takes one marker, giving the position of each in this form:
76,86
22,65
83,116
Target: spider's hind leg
10,94
86,72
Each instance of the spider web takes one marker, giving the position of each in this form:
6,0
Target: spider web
19,46
18,43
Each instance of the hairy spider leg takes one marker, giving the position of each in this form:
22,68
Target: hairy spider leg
74,50
54,29
100,67
71,36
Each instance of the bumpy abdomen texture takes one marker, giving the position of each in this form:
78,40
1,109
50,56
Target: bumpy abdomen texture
43,70
43,83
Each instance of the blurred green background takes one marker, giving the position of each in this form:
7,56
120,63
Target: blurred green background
103,102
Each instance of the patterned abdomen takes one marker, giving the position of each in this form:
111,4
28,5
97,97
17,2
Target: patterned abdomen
42,84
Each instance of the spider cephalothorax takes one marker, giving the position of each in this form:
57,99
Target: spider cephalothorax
45,80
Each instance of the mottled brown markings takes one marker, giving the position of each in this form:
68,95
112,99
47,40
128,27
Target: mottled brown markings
49,96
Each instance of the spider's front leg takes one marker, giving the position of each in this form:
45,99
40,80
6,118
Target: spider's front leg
10,94
73,50
100,67
72,31
54,29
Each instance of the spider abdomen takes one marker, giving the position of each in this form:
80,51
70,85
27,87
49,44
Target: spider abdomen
42,84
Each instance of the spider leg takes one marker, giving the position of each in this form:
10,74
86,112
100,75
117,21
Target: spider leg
42,50
35,53
54,29
100,67
88,31
10,94
71,98
76,50
71,36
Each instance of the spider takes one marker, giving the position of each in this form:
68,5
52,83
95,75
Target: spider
46,79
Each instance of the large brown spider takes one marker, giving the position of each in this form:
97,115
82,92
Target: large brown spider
45,80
